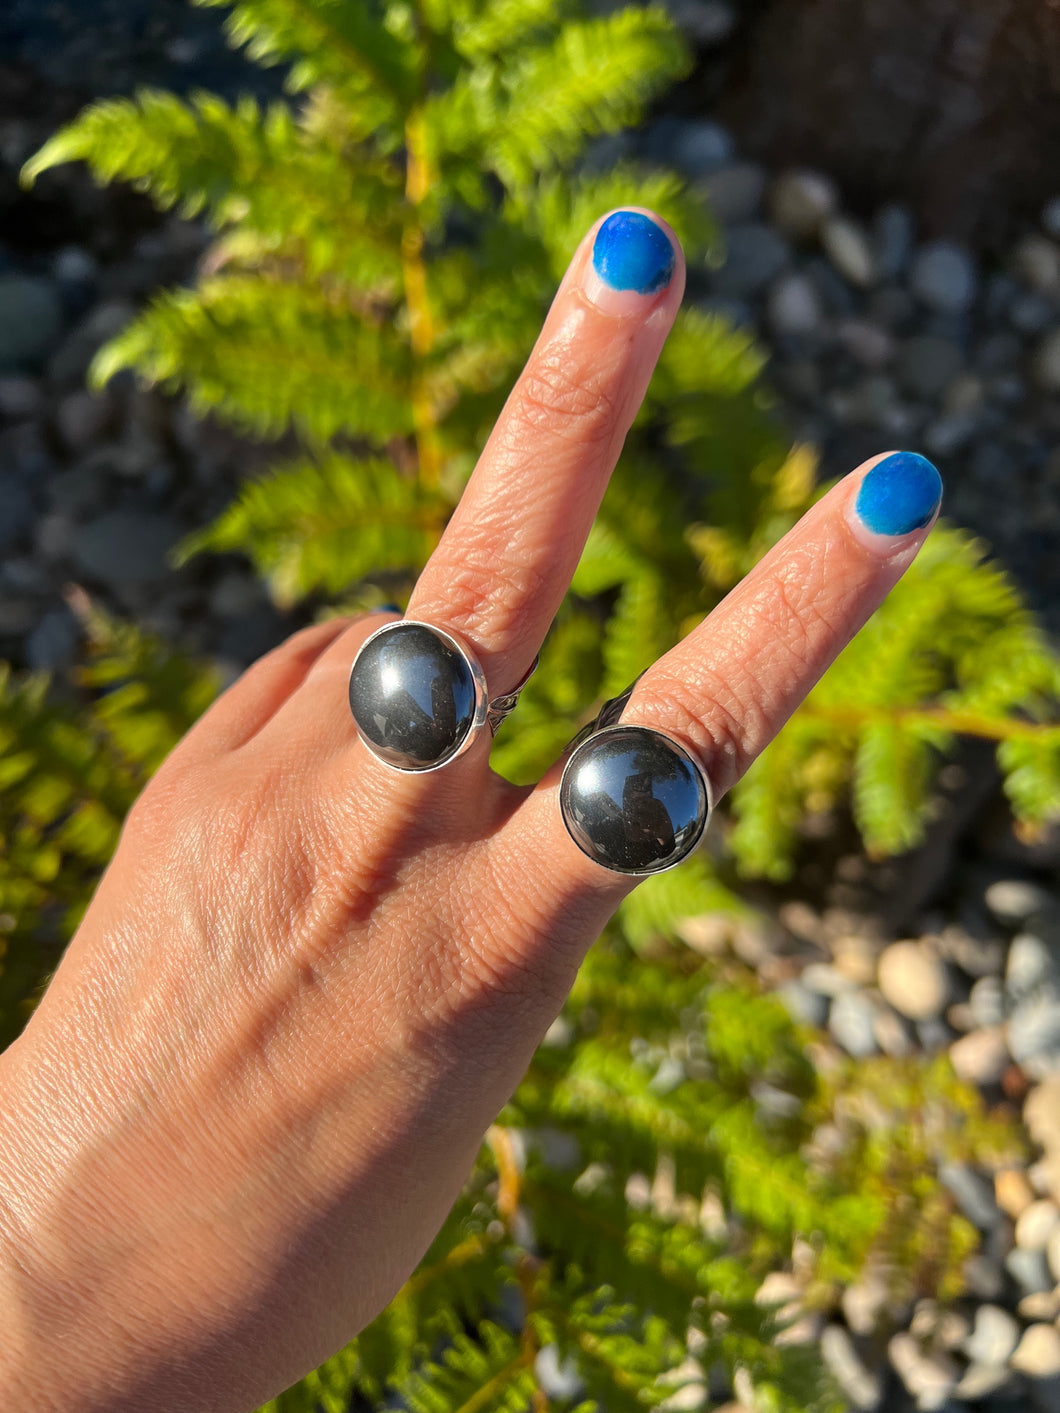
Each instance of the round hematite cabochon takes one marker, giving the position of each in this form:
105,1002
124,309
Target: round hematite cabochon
633,800
416,698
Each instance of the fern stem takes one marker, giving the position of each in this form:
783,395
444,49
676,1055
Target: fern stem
419,180
481,1397
959,723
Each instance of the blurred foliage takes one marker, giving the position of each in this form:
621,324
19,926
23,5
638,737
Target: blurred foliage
385,249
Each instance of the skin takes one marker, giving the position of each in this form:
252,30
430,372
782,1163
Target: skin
307,984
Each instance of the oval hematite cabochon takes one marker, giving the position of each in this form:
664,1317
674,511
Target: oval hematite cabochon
633,800
413,696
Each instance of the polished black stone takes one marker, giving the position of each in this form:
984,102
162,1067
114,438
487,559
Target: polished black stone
413,696
633,800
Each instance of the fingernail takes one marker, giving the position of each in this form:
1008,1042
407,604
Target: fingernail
389,608
632,257
899,495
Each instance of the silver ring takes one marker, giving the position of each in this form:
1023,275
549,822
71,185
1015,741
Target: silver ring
632,798
418,696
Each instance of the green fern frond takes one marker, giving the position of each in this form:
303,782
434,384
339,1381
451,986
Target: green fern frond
324,524
272,355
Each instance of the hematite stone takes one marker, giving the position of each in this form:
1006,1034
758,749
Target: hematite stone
413,696
633,800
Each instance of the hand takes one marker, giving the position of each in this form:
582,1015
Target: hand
308,983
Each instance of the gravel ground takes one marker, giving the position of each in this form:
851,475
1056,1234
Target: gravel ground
876,340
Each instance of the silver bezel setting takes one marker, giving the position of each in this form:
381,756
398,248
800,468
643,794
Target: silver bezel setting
478,721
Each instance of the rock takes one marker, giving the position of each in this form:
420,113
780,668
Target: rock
74,266
236,594
699,148
894,308
558,1380
1034,1036
982,1277
1045,366
1012,1192
913,980
1043,1306
1030,967
980,1380
1031,314
17,513
69,364
31,319
864,1302
125,546
858,1383
53,536
893,230
801,201
848,247
976,950
944,277
81,419
927,365
966,393
1041,1114
973,1194
707,23
1036,1224
53,643
793,308
20,398
947,435
734,193
755,255
851,1022
893,1035
1052,1252
1037,260
825,979
929,1378
995,1334
1015,901
17,616
1038,1352
806,1007
1029,1270
980,1057
838,297
866,343
1051,218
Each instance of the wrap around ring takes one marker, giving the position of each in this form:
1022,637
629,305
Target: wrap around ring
632,798
418,696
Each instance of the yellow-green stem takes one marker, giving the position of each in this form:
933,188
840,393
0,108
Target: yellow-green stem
419,180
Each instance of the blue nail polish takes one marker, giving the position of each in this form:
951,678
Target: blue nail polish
899,495
389,608
632,252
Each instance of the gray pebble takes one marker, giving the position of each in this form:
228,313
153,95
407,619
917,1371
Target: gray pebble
734,193
793,308
1034,1036
837,295
926,365
1045,365
803,1005
698,148
20,398
861,1386
893,230
949,434
1014,901
707,23
755,254
995,1334
1031,314
930,1378
53,643
31,317
987,1001
893,307
850,251
973,1194
1051,218
1031,967
850,1021
866,343
1037,260
17,512
982,1277
1029,1270
944,277
998,353
801,201
125,546
825,979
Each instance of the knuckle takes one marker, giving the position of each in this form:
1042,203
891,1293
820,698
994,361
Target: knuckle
720,725
486,593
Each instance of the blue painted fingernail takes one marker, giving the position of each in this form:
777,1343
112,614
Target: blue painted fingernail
899,495
389,608
632,253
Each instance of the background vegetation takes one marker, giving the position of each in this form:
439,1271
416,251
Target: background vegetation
386,244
